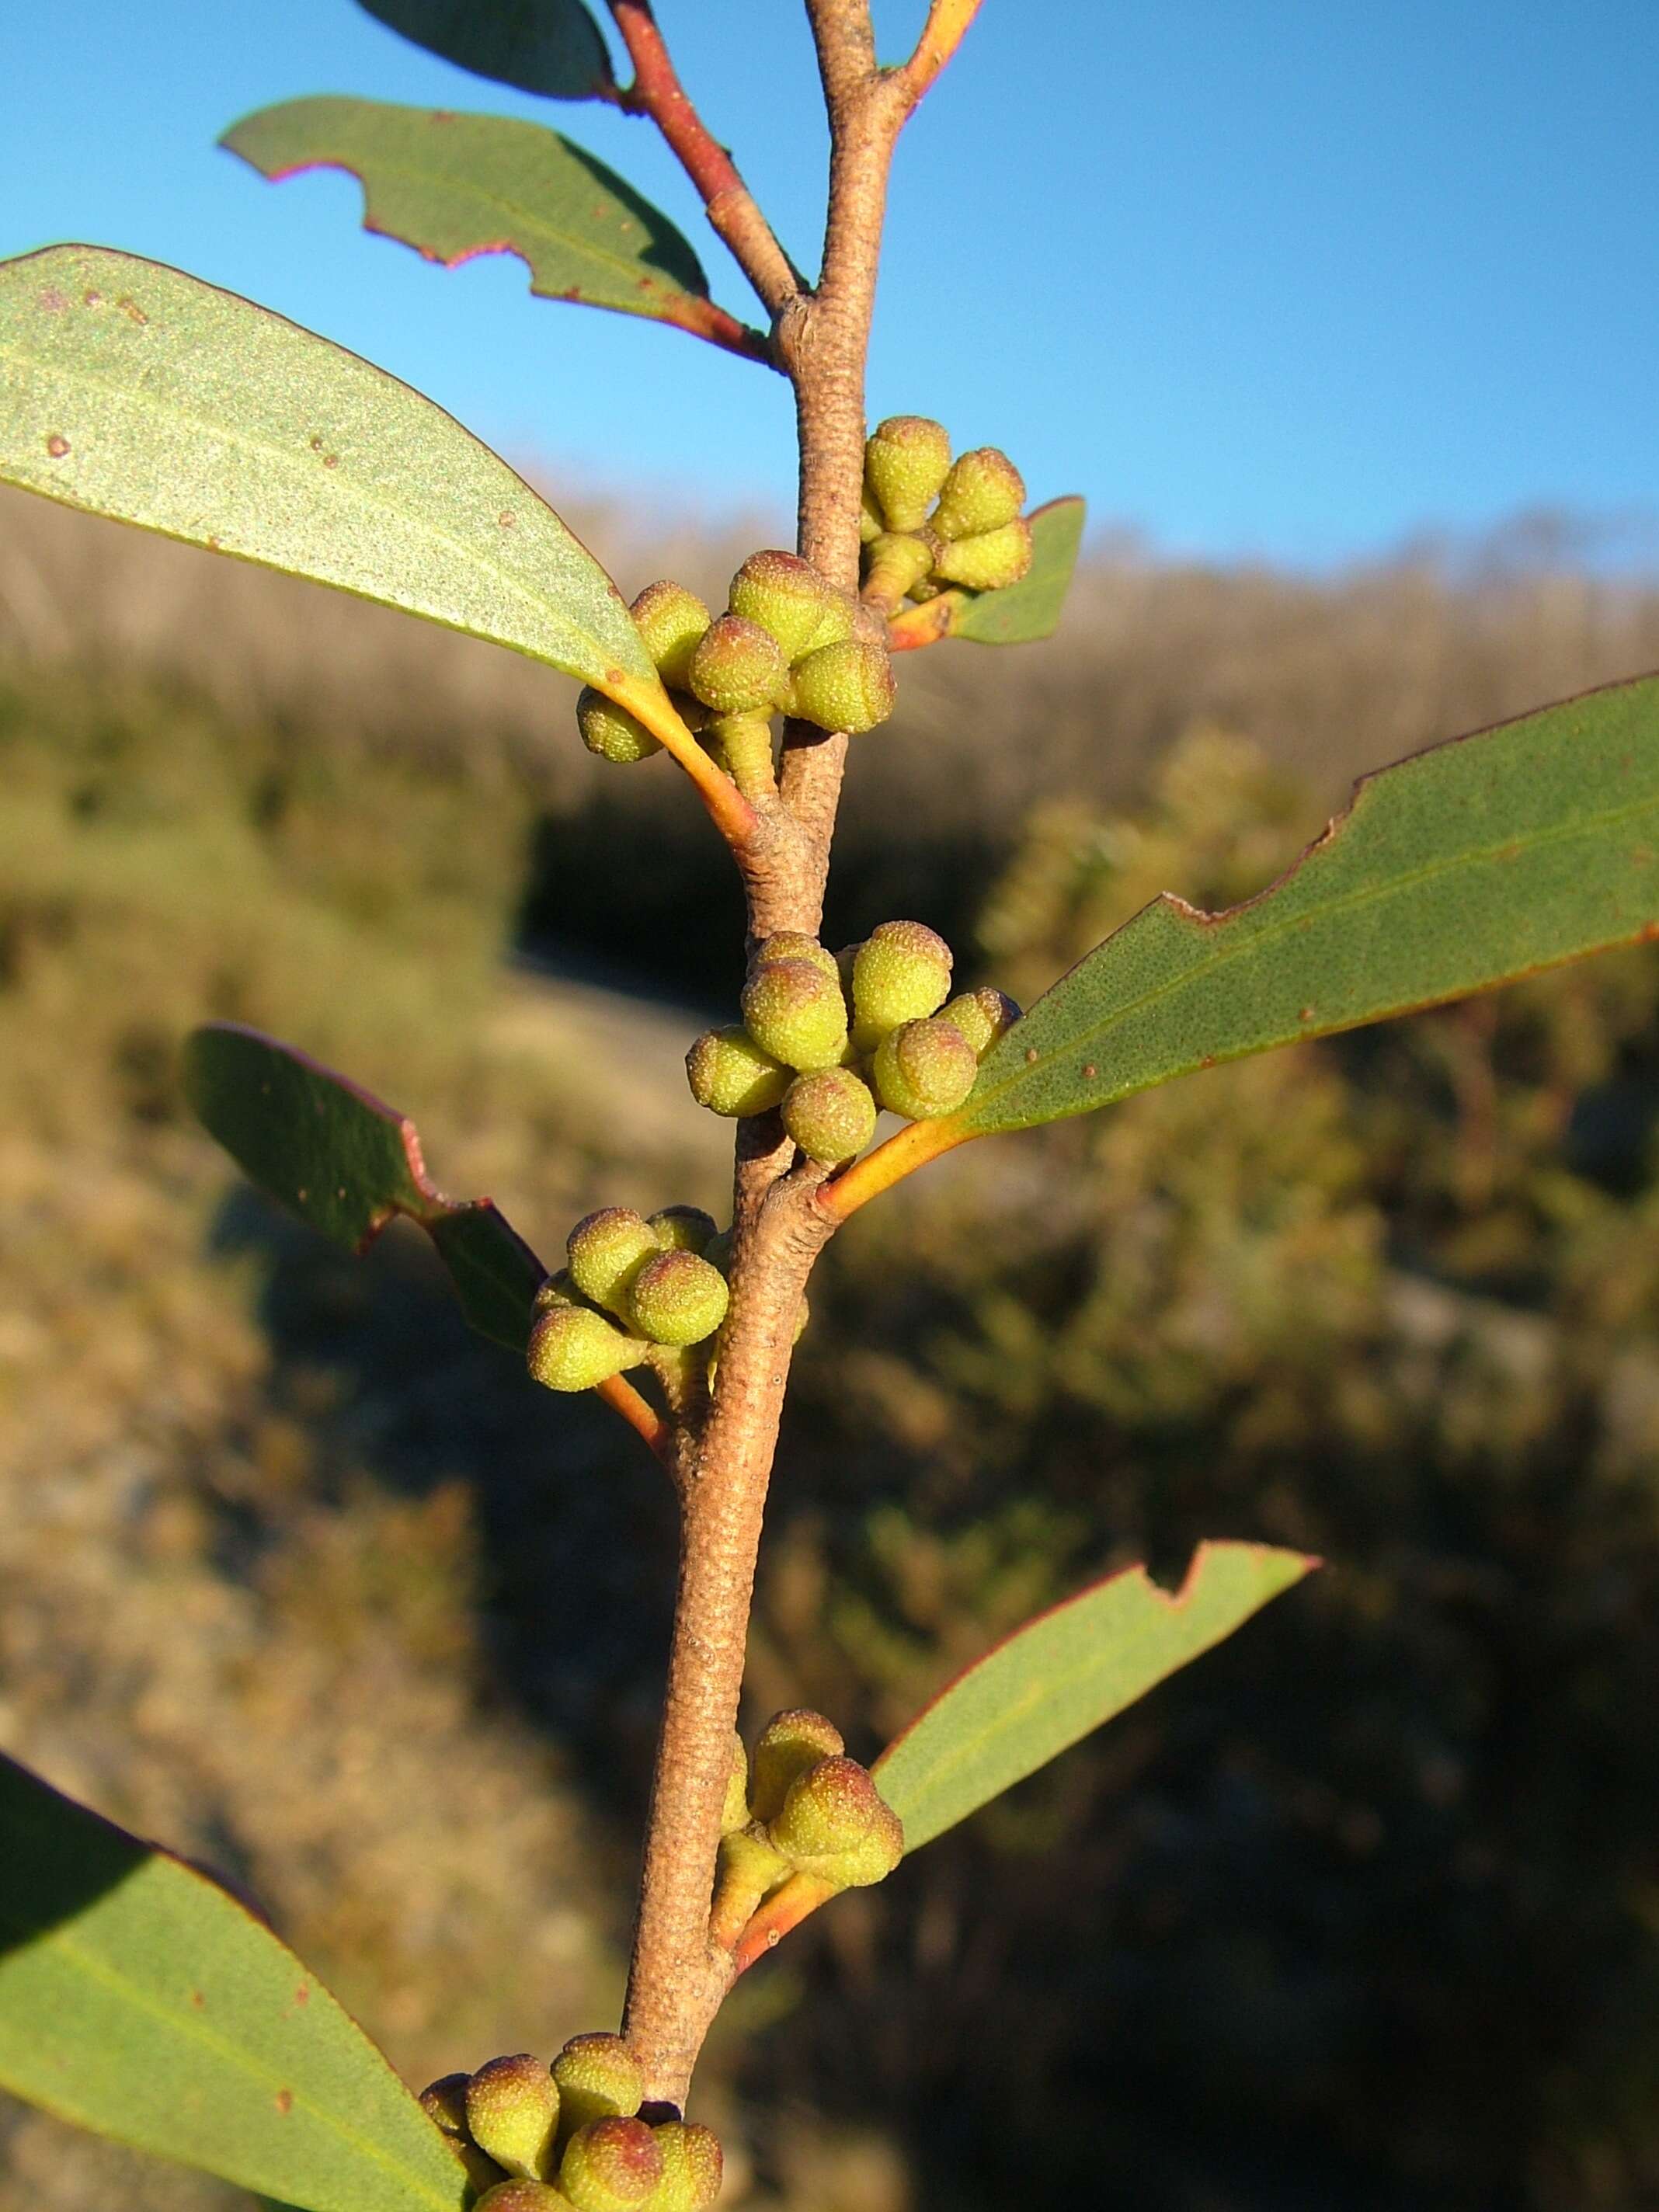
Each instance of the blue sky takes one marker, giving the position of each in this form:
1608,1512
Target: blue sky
1262,277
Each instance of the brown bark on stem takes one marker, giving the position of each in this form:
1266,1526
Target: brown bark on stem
679,1976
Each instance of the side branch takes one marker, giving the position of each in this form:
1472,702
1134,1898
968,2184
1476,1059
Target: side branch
947,27
731,207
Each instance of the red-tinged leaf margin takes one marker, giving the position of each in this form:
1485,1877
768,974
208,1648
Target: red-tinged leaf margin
1287,1568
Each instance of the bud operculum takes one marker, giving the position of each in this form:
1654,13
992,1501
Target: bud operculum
672,621
730,1074
794,1011
831,1115
981,1016
611,2165
682,1227
573,1348
597,2077
611,731
847,686
513,2114
924,1069
788,1745
835,1826
983,491
736,668
900,973
906,461
677,1298
989,561
692,2167
786,596
607,1250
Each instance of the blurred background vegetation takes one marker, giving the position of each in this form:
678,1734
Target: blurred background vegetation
1364,1910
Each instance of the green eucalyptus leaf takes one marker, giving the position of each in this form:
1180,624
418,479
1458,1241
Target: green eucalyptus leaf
1470,864
549,46
454,186
1050,1683
131,390
346,1164
139,1998
1019,613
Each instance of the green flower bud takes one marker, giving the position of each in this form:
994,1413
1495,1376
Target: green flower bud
983,490
786,596
795,1012
444,2103
906,459
612,2164
513,2113
794,944
607,1250
678,1298
734,1813
834,1824
558,1289
831,1114
900,973
730,1074
924,1069
524,2197
598,2078
872,521
981,1016
573,1348
789,1744
839,622
692,2167
848,686
682,1228
896,562
988,561
736,668
611,731
672,621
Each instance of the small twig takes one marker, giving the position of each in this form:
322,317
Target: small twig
731,207
942,33
902,1153
622,1398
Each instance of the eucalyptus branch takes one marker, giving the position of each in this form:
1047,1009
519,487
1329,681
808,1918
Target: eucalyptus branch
728,202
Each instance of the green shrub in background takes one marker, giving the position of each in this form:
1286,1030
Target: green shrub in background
136,393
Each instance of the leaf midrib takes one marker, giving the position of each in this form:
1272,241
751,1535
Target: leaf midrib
1269,933
143,397
99,1971
625,266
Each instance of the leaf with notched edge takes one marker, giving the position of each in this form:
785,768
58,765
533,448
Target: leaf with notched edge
1050,1683
454,186
550,46
1465,867
139,1998
346,1164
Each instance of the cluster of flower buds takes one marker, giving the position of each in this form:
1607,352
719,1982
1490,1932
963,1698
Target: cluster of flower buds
930,522
801,1808
569,2138
828,1037
632,1285
788,642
